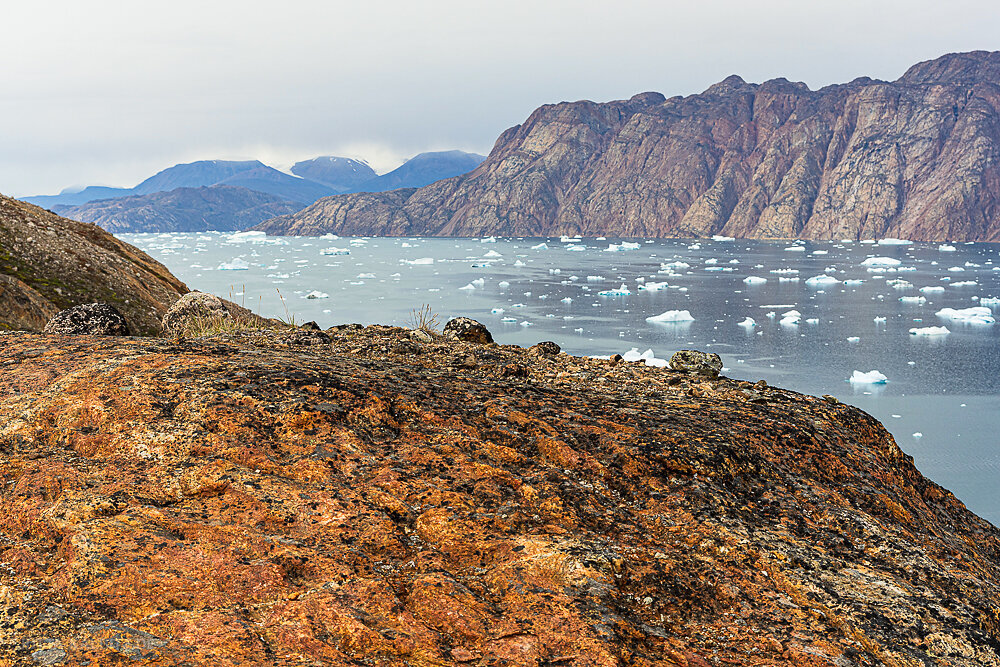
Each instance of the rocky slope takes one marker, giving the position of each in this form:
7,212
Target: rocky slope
48,263
917,158
220,207
382,498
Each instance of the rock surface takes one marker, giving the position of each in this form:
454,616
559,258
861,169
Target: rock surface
49,263
253,500
916,158
88,319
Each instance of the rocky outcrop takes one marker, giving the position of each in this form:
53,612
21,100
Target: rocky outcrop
49,263
915,158
220,207
379,500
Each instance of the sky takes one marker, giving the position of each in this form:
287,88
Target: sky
108,92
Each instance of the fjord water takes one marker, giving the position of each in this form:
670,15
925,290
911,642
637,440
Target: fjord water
945,387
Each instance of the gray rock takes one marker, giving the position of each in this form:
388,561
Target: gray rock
193,305
49,656
422,336
699,363
93,319
469,330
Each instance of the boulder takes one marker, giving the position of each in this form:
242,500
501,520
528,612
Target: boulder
698,363
467,329
191,306
91,319
545,349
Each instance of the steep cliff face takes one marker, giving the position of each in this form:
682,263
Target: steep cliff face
917,158
381,500
48,263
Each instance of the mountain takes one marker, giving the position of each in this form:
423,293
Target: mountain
340,173
278,183
195,175
916,158
75,197
423,169
220,207
361,497
48,263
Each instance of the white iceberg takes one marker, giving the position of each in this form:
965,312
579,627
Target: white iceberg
540,246
720,237
317,295
944,247
881,261
671,316
795,248
493,254
748,322
892,241
238,264
871,377
420,261
754,280
621,291
929,331
974,315
913,299
334,251
822,280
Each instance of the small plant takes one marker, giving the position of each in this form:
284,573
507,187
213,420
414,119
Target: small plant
424,318
289,318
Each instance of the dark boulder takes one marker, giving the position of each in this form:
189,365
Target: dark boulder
469,330
93,319
545,349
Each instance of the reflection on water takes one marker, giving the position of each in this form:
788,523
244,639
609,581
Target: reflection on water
944,387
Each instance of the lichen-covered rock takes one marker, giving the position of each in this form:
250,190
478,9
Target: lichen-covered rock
244,500
699,363
546,348
193,306
468,330
89,319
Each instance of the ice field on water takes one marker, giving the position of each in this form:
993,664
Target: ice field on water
903,330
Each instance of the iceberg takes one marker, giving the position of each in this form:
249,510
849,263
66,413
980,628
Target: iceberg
990,301
944,247
822,280
540,246
335,251
754,280
892,241
671,316
238,264
748,322
929,331
420,261
913,299
973,315
621,291
720,237
468,287
317,295
881,261
493,254
932,288
647,357
653,286
871,377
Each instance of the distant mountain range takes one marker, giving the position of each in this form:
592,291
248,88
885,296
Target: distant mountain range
228,195
915,158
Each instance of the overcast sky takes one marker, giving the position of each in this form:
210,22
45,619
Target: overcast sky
109,92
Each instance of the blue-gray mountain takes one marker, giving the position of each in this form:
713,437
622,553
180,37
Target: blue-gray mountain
917,158
184,197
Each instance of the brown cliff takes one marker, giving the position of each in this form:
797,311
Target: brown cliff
48,263
377,500
916,158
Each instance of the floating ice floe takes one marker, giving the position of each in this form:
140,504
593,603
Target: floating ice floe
754,280
621,247
795,248
881,261
540,246
488,239
519,263
335,251
671,316
317,295
929,331
621,291
508,320
853,339
596,279
493,254
238,264
822,280
871,377
956,269
913,299
647,357
572,239
854,281
820,252
973,315
812,320
989,301
785,271
653,286
929,289
892,241
366,276
879,319
247,237
497,311
899,283
503,284
575,248
675,265
468,287
964,283
479,282
526,323
944,247
790,318
420,261
567,300
720,237
748,322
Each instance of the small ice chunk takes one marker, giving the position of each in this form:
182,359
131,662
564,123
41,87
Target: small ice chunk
503,283
871,377
317,295
519,263
334,251
944,247
468,287
754,280
237,264
918,435
973,315
420,261
719,237
621,291
567,300
892,241
497,311
913,299
853,339
540,246
653,286
879,319
479,282
748,322
881,261
492,254
795,248
822,280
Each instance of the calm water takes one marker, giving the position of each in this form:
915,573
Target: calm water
945,387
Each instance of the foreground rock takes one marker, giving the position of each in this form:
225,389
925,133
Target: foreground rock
48,264
913,158
379,500
198,312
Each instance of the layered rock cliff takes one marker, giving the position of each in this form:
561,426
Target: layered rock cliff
48,263
281,498
916,158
